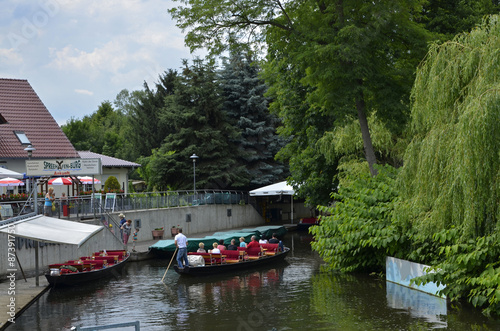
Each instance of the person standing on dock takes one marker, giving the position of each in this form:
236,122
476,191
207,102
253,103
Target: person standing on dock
134,238
181,244
122,222
49,202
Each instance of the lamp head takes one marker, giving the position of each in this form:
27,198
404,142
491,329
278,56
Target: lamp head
194,157
30,150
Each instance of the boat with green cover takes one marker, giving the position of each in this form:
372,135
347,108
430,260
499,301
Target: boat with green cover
167,247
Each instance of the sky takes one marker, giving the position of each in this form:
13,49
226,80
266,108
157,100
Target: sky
78,53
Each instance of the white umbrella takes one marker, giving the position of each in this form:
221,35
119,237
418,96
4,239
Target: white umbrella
9,173
88,180
7,181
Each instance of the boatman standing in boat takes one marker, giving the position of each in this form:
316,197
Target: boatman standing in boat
181,244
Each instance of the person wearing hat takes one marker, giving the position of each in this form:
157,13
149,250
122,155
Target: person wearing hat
123,220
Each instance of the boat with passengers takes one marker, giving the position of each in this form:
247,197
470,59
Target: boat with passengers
231,260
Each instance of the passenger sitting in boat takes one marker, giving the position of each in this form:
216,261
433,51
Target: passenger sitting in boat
202,248
274,240
233,246
262,240
221,246
242,242
253,243
215,250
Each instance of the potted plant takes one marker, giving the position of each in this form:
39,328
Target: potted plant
158,233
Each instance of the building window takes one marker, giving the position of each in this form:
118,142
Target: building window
22,137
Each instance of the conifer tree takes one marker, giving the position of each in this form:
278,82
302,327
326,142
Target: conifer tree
147,128
247,108
199,127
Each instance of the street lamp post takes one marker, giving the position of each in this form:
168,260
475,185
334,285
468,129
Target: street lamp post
33,190
194,157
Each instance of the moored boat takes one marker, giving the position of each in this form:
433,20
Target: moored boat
306,223
228,261
87,268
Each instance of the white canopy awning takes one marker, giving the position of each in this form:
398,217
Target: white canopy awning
9,173
273,189
52,230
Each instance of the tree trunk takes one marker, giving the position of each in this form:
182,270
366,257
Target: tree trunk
365,133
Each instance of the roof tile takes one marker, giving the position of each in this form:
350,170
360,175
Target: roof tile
108,161
24,111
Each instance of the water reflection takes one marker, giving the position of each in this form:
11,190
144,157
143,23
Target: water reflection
292,295
419,304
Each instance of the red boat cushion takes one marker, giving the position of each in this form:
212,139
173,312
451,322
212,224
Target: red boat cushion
271,248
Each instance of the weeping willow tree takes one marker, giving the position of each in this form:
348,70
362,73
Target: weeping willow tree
450,177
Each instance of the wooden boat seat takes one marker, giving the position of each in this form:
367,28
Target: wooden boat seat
217,258
97,263
109,259
271,249
233,256
254,252
79,266
120,253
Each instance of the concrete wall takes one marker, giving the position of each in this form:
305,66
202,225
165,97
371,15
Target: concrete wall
206,218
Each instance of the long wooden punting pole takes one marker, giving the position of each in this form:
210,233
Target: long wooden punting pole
169,265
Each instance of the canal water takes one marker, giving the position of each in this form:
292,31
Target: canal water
292,295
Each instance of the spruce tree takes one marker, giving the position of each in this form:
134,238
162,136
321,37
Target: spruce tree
247,108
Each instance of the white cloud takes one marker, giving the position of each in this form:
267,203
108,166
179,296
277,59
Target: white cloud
110,59
85,92
9,57
88,50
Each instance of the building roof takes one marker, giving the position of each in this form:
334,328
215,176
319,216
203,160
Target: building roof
108,161
23,111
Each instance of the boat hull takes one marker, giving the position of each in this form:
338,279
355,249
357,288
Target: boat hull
229,267
87,276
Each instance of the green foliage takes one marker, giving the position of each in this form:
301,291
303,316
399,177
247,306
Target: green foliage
247,109
152,176
199,126
470,269
360,232
77,133
302,126
449,184
450,17
452,166
111,184
146,114
335,60
345,143
100,132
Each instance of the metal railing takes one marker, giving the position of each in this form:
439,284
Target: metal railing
87,207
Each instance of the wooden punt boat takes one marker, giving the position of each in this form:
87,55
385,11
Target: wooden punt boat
87,269
306,223
220,265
